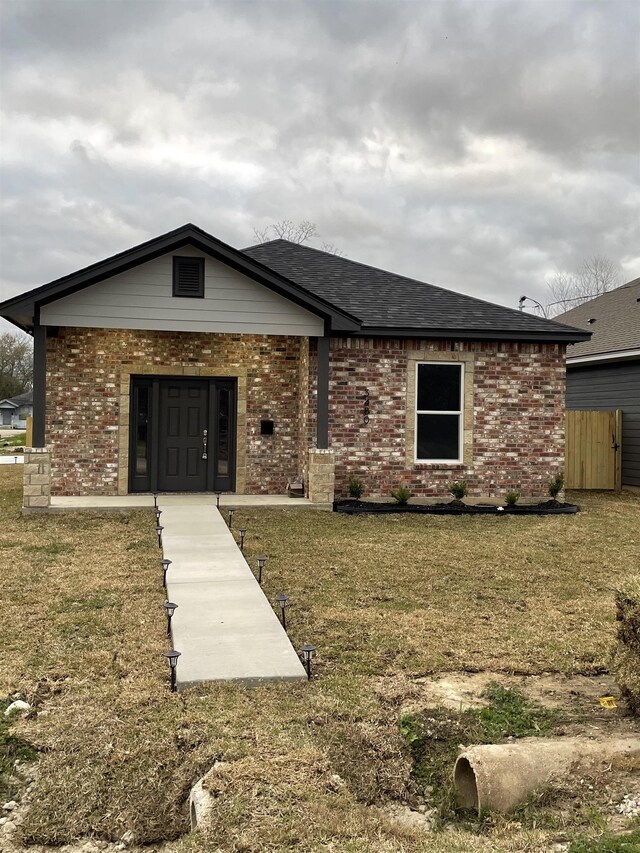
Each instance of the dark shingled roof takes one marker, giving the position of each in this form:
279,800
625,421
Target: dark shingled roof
386,301
615,321
352,298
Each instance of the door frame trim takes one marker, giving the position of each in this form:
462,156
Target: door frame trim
162,371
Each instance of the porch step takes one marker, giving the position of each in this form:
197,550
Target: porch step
224,626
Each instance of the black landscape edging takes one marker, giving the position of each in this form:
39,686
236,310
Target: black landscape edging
352,507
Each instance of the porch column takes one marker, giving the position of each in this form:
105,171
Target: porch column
322,435
39,382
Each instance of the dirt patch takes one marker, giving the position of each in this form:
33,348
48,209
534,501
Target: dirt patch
441,714
460,690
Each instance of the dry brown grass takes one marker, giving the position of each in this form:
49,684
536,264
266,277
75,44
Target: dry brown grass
83,633
424,593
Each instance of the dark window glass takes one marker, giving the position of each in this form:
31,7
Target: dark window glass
224,437
439,387
438,436
142,431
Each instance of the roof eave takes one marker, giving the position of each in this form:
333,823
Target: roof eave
603,357
559,337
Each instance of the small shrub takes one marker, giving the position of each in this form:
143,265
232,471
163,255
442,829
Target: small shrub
459,489
626,652
556,485
401,496
356,487
512,498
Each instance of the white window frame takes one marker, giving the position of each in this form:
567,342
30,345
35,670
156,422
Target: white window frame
459,412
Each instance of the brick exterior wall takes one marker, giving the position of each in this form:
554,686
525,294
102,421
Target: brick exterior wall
515,412
83,420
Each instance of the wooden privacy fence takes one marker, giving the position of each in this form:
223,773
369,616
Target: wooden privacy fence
593,450
29,437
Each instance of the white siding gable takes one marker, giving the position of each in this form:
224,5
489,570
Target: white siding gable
142,299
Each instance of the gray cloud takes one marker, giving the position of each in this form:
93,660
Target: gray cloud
479,146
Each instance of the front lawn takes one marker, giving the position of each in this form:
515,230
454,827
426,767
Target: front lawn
305,765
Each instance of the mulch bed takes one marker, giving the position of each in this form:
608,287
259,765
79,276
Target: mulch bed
455,507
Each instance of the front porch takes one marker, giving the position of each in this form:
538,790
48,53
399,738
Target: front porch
37,488
123,503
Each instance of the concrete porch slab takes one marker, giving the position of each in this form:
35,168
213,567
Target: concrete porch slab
100,503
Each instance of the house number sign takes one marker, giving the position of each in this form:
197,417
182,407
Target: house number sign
366,410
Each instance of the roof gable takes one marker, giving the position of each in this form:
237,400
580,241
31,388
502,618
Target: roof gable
143,297
23,310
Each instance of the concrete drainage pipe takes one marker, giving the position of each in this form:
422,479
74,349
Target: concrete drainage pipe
499,776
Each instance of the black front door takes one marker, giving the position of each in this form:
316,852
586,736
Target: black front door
182,435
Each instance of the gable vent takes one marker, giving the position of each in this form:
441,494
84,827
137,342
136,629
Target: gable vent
188,277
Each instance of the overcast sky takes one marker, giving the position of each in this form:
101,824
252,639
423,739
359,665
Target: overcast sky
477,145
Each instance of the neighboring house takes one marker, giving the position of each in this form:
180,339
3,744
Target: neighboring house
15,411
604,372
184,364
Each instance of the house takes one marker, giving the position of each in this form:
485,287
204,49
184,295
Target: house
184,364
604,372
15,411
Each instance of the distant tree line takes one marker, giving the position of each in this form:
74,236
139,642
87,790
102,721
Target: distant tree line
16,364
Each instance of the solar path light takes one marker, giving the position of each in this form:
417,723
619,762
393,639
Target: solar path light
308,651
218,496
158,514
155,500
261,563
243,532
159,529
169,609
165,565
231,510
172,660
282,603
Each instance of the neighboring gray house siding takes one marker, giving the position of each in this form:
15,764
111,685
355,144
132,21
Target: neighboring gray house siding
612,386
142,299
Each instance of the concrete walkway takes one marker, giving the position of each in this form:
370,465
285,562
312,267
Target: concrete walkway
12,459
224,626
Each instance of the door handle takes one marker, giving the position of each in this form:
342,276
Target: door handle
204,444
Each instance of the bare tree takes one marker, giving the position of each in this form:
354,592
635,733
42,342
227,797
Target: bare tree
332,249
286,229
295,232
595,276
16,364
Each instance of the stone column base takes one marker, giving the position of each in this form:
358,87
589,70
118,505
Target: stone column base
36,493
321,477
